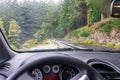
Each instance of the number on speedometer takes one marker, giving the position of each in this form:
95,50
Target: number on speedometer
37,74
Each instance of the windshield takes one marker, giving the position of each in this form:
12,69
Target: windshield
54,24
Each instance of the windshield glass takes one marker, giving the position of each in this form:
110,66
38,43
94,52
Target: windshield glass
54,24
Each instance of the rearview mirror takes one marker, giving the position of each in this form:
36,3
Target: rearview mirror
115,8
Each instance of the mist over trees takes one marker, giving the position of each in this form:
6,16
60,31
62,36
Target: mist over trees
43,20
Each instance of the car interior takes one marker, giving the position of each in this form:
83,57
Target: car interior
60,64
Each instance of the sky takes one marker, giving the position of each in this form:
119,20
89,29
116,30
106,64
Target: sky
56,1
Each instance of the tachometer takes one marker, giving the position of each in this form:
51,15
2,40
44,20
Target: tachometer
37,74
69,73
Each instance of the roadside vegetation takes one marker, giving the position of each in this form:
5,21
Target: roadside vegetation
108,30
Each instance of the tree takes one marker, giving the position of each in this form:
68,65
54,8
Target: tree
48,27
73,14
13,33
44,32
2,25
102,5
65,22
93,13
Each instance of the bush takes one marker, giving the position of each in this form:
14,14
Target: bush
91,42
31,43
84,34
74,33
85,41
78,41
14,47
116,22
110,44
106,28
93,14
117,46
88,42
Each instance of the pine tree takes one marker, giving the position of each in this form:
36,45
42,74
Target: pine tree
13,33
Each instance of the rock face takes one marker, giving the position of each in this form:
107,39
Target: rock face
98,36
101,37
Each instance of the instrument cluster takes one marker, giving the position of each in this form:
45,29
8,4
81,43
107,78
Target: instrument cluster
51,69
54,72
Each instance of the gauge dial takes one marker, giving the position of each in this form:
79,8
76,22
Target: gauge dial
55,68
69,73
46,69
37,74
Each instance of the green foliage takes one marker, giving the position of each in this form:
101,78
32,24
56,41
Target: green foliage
84,34
106,28
2,25
117,45
73,13
101,5
13,47
116,22
93,14
88,42
14,29
75,33
39,35
44,32
47,29
31,43
109,44
43,20
77,41
13,33
65,22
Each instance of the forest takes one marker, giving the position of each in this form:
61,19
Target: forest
37,20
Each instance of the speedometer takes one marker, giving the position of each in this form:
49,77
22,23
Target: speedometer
37,74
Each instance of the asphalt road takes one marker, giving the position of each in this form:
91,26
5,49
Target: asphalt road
55,44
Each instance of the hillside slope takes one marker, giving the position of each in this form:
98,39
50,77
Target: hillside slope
105,32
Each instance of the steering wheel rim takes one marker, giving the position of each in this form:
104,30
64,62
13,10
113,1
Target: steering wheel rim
39,60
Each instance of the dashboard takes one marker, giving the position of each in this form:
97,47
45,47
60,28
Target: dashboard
105,63
54,72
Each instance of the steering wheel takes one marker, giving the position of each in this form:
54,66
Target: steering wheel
86,72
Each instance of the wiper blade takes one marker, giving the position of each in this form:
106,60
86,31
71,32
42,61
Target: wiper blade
64,49
109,50
46,50
81,47
58,49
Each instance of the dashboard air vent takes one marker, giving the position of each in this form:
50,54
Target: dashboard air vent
5,66
107,72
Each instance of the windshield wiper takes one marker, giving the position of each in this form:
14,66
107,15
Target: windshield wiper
73,49
109,50
58,49
91,48
64,49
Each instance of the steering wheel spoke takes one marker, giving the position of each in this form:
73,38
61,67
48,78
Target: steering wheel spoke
80,77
